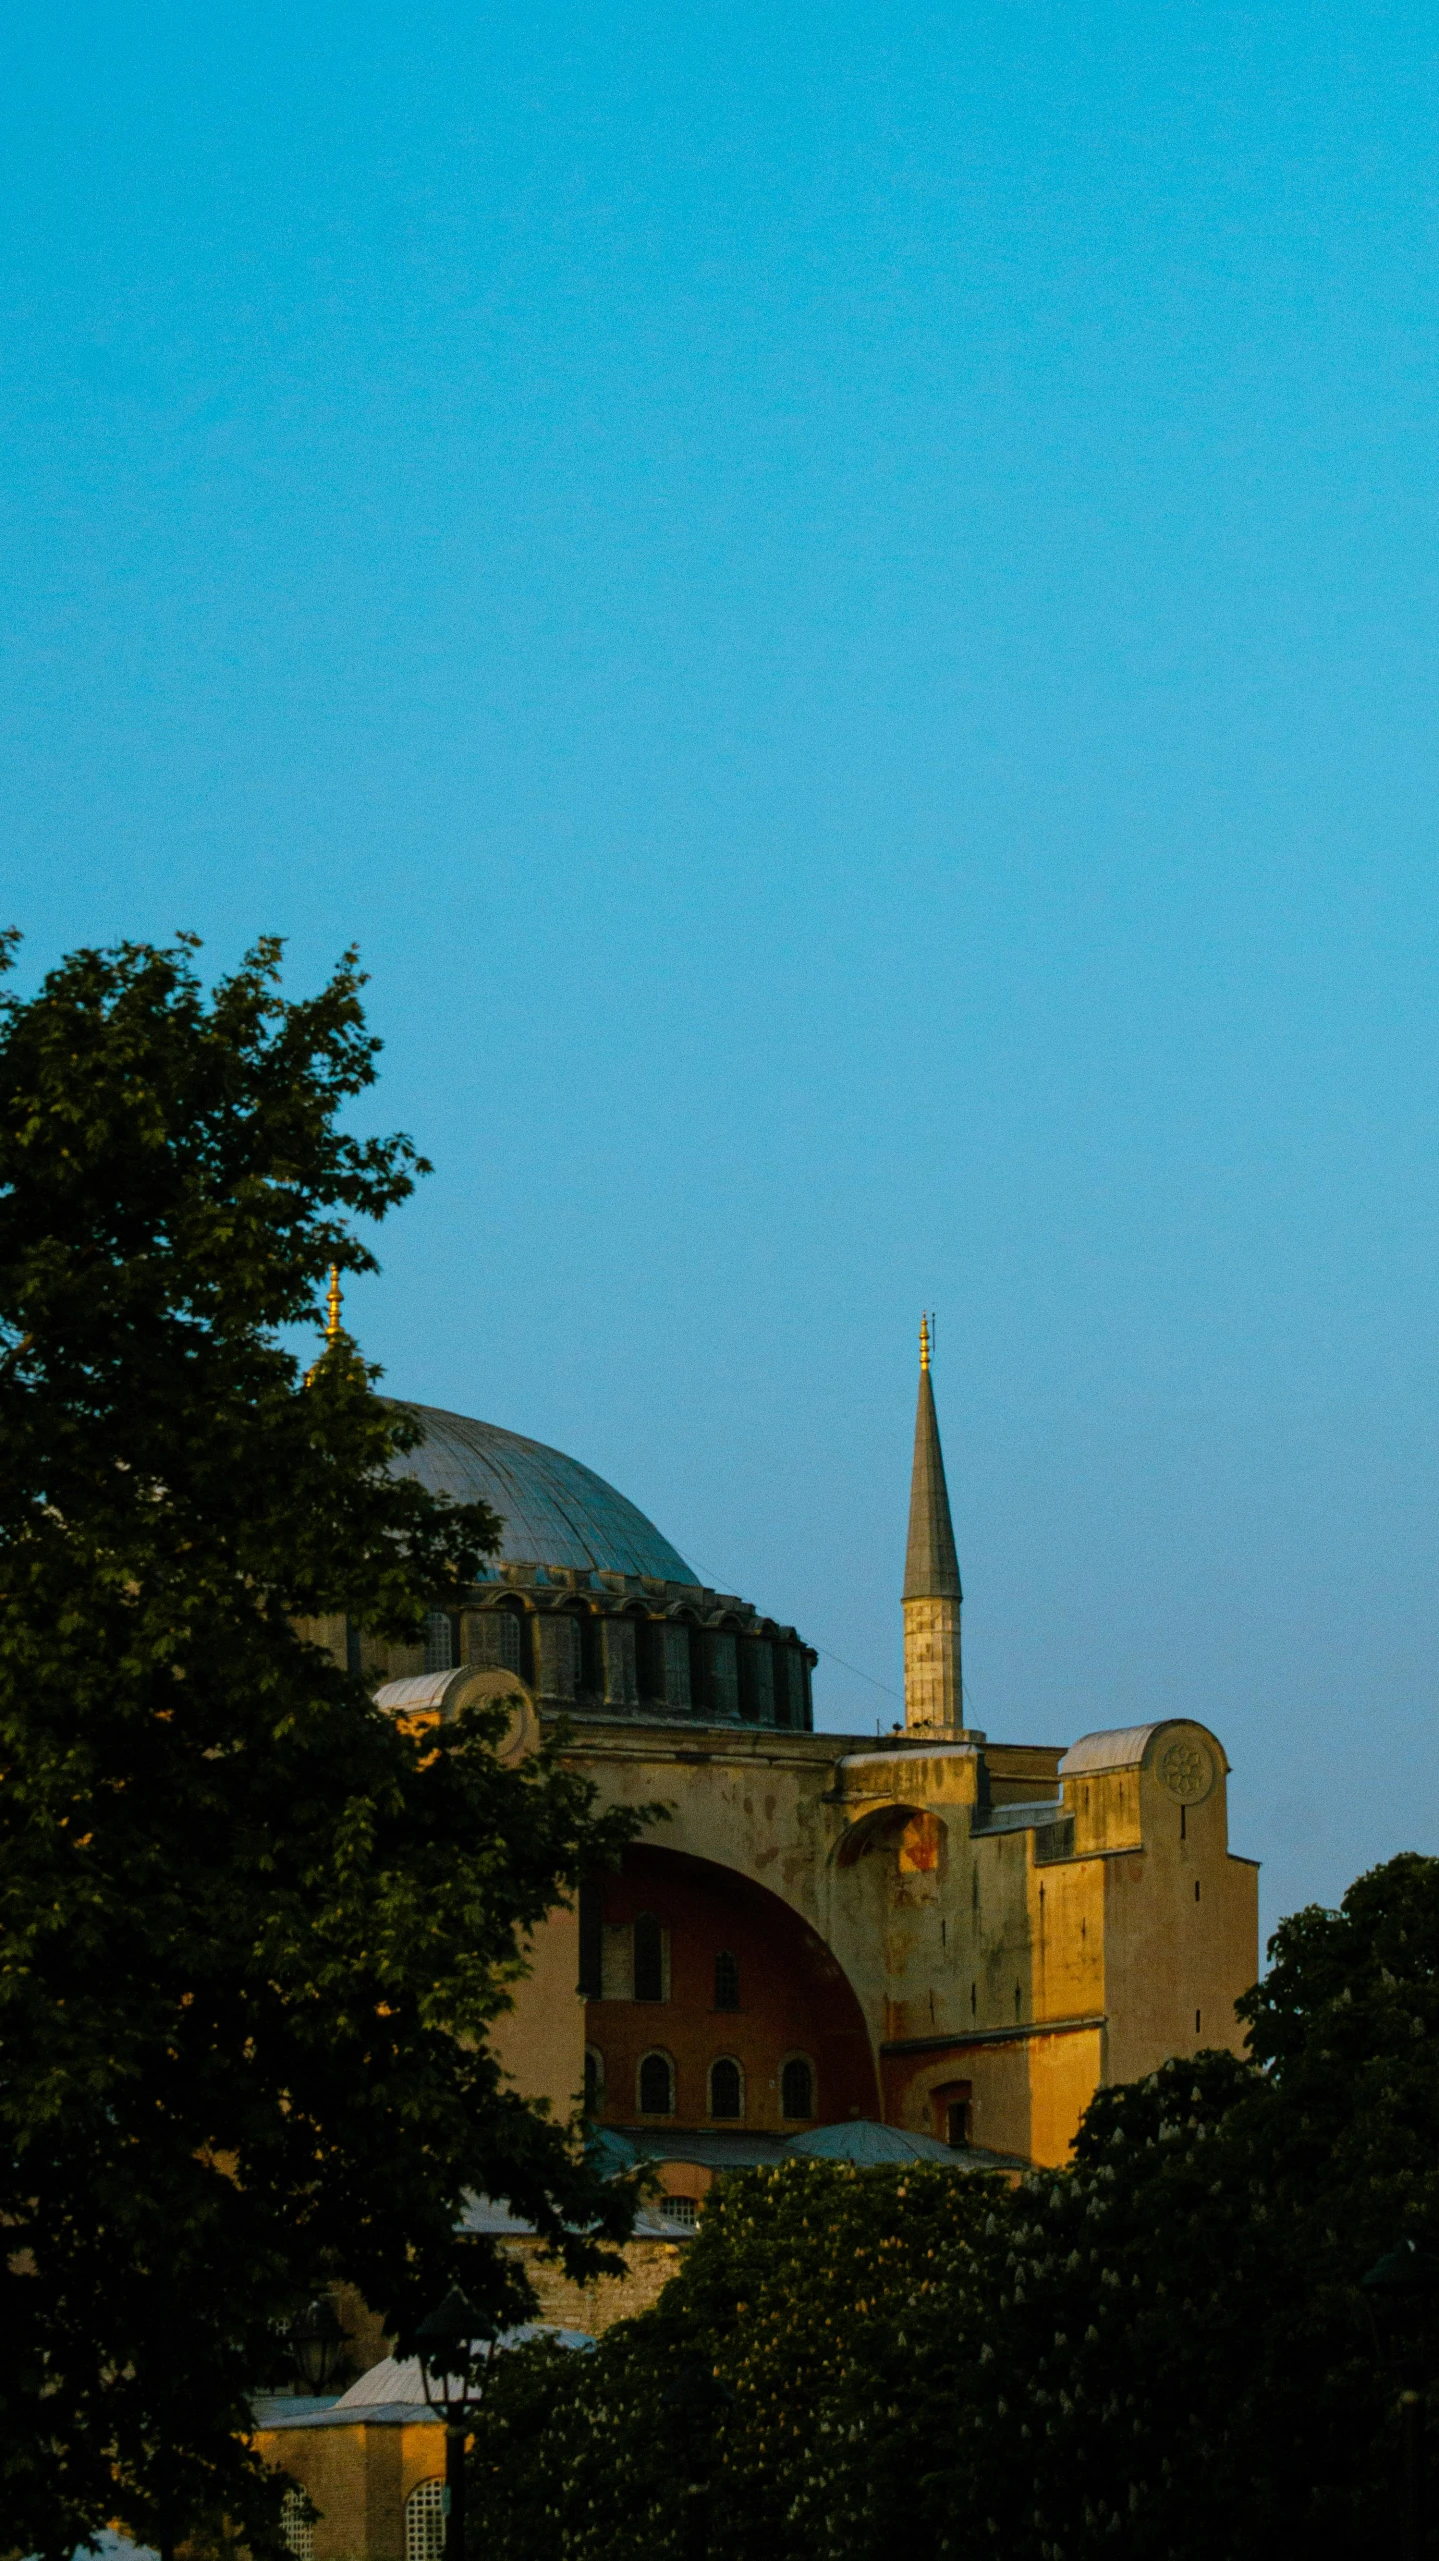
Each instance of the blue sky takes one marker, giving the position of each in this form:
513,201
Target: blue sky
844,603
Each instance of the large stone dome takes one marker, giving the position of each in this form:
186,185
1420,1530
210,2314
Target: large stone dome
555,1511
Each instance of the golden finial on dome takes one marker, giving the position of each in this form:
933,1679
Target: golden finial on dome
924,1342
332,1327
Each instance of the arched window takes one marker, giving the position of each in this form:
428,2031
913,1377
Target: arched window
594,2080
726,2088
657,2086
649,1959
296,2526
425,2522
796,2088
726,1981
439,1642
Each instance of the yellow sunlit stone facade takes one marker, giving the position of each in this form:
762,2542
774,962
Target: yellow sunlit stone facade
932,1934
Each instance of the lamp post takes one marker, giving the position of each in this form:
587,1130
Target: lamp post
447,2340
1399,2292
318,2344
697,2401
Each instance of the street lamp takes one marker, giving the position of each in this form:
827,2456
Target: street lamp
1399,2292
447,2340
318,2343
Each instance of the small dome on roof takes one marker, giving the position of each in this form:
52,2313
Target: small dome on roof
555,1511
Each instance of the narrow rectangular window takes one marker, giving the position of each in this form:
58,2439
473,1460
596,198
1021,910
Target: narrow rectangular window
649,1959
591,1984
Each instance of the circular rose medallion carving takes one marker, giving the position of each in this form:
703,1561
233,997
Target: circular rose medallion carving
1186,1769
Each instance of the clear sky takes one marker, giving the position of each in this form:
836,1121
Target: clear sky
843,599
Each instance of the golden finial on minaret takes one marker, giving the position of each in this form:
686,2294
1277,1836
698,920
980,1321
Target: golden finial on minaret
924,1342
332,1327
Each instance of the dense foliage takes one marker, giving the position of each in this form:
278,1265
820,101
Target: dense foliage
252,1933
1156,2353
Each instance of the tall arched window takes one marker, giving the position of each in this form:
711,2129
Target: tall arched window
797,2088
439,1642
425,2522
649,1959
726,2088
594,2080
726,1981
657,2086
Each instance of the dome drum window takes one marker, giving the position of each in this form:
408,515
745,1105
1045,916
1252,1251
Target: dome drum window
440,1648
756,1680
620,1665
494,1640
559,1654
792,1702
721,1664
675,1682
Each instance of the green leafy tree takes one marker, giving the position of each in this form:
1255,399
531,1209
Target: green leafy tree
1157,2353
253,1933
798,2293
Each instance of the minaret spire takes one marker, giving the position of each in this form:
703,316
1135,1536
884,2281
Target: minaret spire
933,1690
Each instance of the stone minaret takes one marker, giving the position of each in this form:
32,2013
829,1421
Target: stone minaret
933,1693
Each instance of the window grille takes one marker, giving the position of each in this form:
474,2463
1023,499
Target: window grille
726,1981
493,1638
726,2088
1054,1840
680,2209
649,1959
296,2527
439,1642
677,1665
425,2522
797,2089
657,2088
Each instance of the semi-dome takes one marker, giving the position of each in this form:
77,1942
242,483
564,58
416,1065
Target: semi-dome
555,1511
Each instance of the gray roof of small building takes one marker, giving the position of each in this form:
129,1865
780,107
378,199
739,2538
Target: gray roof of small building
555,1511
1122,1747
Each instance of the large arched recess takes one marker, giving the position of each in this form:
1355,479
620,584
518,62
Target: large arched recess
794,1998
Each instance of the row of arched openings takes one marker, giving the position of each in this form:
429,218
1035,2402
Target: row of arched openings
656,2079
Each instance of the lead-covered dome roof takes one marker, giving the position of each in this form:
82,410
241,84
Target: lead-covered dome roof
555,1511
